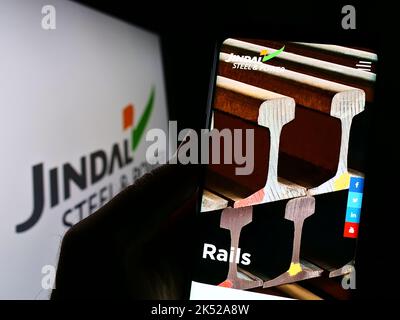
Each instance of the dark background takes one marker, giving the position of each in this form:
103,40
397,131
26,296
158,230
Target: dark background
189,33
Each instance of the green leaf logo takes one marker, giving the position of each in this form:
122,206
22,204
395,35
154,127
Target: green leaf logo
138,131
272,55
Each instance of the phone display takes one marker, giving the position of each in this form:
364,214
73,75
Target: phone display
283,192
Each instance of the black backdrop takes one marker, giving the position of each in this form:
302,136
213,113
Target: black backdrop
189,33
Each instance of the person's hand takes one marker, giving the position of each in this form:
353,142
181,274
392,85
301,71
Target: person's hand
138,245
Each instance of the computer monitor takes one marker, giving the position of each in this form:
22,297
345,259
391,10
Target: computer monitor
79,90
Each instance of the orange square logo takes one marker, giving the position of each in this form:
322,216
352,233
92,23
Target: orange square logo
127,117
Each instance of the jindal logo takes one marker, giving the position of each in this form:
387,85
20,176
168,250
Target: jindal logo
247,62
94,167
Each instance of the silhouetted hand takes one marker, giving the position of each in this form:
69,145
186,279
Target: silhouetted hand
137,246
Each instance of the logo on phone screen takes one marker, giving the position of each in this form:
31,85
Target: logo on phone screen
248,62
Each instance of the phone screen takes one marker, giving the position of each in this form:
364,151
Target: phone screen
283,190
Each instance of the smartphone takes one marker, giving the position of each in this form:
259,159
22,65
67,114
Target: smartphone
283,190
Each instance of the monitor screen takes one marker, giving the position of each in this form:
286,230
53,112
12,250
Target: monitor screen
78,91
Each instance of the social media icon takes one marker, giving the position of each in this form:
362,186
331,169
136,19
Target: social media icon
350,230
354,200
356,184
353,215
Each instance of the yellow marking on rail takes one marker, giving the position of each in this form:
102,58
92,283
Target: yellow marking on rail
343,182
294,269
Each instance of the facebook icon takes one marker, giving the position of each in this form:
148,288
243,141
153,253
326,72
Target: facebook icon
356,184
